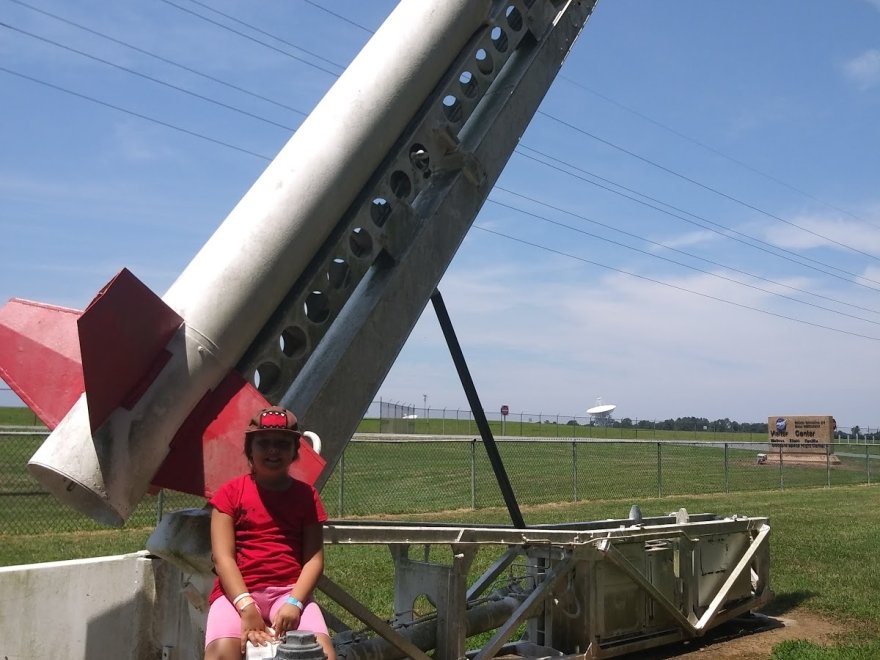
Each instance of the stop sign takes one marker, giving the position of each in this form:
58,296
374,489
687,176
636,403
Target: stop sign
505,410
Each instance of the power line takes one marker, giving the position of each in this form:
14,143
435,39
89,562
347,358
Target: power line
251,114
339,16
159,57
664,127
192,133
250,38
263,157
679,263
770,249
166,124
268,34
134,114
712,150
673,286
703,186
147,77
682,252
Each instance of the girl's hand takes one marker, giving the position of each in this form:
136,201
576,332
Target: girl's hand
253,628
287,618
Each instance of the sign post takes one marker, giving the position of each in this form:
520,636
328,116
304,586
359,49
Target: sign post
504,411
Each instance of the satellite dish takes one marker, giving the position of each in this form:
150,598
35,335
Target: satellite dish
600,414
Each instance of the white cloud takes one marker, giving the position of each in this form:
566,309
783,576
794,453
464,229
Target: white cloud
864,70
687,240
655,351
860,235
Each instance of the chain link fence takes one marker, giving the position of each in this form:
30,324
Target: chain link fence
393,474
396,417
400,475
26,508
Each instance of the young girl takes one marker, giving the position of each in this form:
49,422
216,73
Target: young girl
268,547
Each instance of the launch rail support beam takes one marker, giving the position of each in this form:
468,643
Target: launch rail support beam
744,564
385,631
533,601
606,547
473,398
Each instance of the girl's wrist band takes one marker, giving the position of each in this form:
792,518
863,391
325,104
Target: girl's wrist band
293,600
244,603
240,597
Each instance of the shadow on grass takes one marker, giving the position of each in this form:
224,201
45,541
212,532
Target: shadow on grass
742,626
785,602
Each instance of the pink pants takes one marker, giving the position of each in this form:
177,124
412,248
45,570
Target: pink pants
225,621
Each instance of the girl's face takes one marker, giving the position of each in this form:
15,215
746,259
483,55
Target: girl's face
272,453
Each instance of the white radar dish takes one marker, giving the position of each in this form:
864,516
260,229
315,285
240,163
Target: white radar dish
598,410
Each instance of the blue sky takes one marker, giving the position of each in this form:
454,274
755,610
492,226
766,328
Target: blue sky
701,238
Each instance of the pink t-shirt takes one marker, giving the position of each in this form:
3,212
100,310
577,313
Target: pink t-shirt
268,529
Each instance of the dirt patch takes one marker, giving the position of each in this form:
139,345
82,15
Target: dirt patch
750,637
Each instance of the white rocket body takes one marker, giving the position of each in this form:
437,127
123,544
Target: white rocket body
238,279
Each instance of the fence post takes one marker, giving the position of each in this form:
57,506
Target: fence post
340,470
726,470
781,479
867,464
828,465
474,473
659,472
160,504
574,470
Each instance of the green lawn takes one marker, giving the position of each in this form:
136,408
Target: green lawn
824,546
824,541
823,553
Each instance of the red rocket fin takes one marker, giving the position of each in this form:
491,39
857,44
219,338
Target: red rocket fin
40,357
208,449
122,335
49,355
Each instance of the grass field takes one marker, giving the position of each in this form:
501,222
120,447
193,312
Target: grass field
428,475
823,553
514,426
464,425
824,545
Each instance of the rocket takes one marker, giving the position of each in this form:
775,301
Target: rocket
308,289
